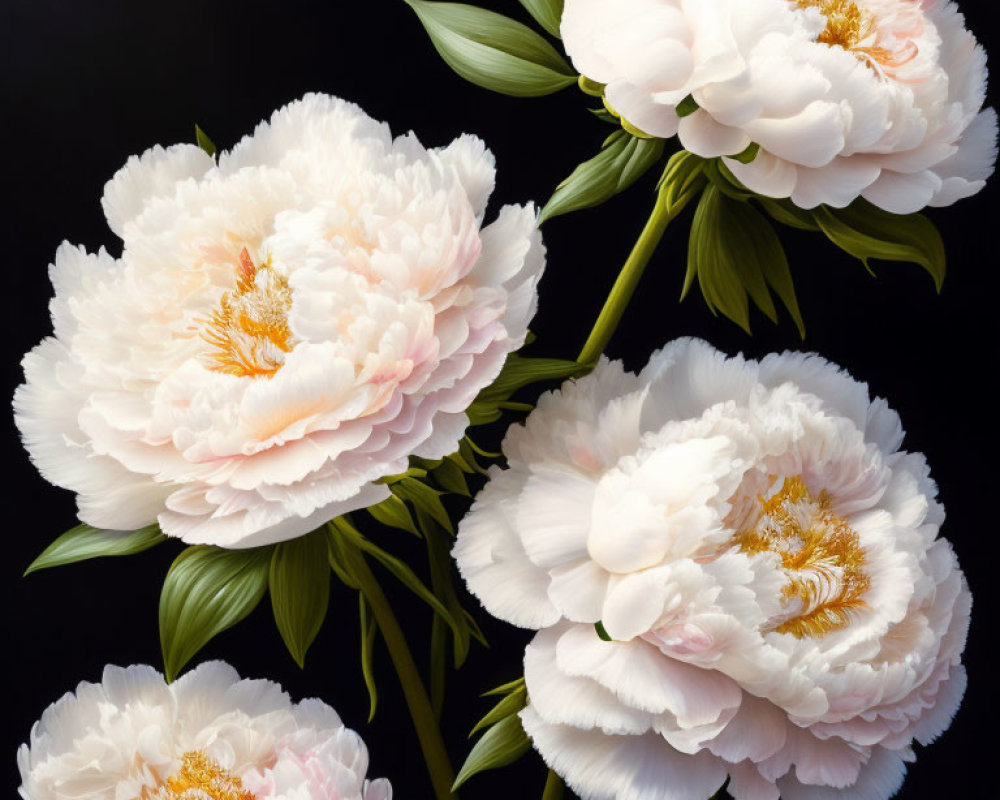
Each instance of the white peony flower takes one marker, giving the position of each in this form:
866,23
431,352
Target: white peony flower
877,98
283,328
207,735
765,560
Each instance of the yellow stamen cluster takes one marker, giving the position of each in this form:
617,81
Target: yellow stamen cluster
846,24
820,553
249,330
201,778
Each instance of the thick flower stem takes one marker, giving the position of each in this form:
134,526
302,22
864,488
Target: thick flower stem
628,279
553,787
424,720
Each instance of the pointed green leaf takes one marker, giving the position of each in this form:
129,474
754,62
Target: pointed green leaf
469,453
686,107
474,630
424,497
600,178
300,591
201,138
748,155
602,632
84,542
449,476
508,706
338,562
519,371
734,252
787,213
506,688
368,630
394,513
547,13
493,51
866,231
206,591
482,413
501,745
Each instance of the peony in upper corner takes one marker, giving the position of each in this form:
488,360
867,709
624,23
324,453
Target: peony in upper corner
207,735
845,98
764,560
283,328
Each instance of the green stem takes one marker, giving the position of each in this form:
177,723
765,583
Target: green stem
553,787
424,720
628,279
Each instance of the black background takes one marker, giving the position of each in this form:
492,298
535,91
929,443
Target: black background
86,83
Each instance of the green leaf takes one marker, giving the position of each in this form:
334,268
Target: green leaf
493,51
519,372
602,632
338,562
394,513
423,497
734,252
866,231
83,542
686,107
469,450
506,688
507,707
482,413
206,591
717,171
368,630
600,178
201,138
787,213
547,13
748,155
449,476
300,591
501,745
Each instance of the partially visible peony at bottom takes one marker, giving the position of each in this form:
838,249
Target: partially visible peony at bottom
207,736
736,578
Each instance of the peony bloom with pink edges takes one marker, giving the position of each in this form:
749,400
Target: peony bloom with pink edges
283,328
207,735
845,98
775,605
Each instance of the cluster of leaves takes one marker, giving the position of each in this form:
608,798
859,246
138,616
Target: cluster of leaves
734,252
504,740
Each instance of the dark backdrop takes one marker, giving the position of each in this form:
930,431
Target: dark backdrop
86,83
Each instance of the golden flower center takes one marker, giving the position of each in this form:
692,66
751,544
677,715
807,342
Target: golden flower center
855,29
248,331
820,554
846,23
201,778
